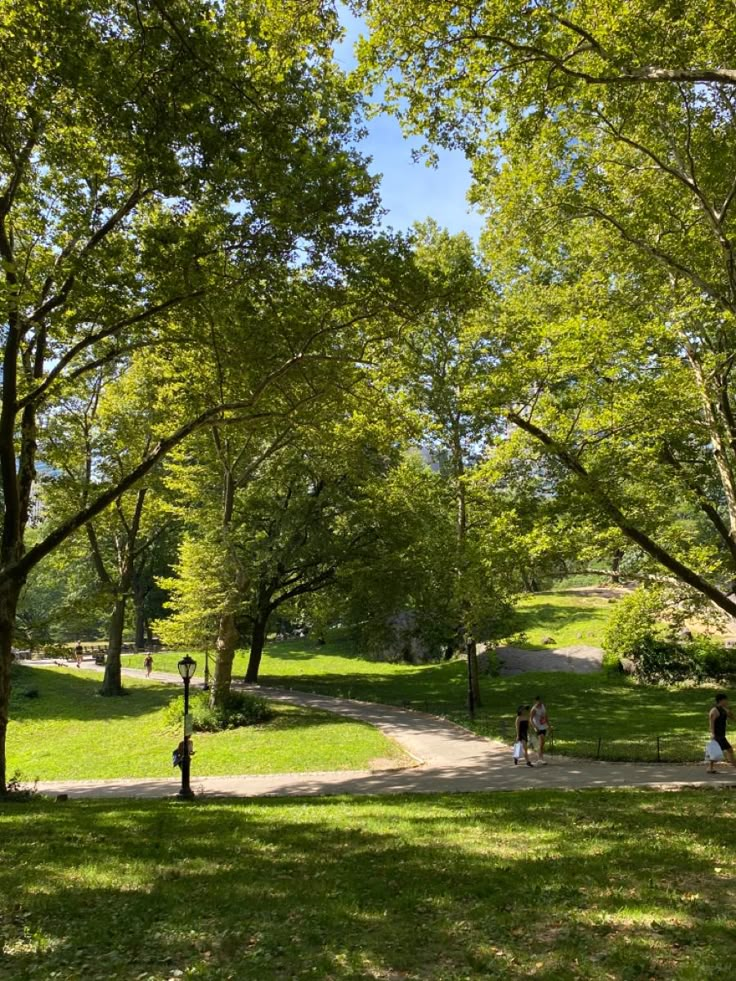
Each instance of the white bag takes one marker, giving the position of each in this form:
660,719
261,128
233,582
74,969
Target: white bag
518,750
713,751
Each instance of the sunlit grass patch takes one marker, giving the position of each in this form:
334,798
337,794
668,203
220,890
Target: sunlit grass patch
71,732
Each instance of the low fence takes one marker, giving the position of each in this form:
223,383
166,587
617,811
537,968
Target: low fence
657,748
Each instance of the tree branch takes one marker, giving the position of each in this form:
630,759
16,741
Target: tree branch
609,507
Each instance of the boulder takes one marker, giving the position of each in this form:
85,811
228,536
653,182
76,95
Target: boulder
626,665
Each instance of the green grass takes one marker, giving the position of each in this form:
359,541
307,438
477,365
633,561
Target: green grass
626,716
568,618
70,732
579,885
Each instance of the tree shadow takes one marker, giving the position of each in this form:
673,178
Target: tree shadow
65,695
446,887
553,615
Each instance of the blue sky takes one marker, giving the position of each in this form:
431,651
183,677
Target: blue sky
412,191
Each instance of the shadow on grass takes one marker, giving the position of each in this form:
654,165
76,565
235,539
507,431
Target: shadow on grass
63,695
430,889
554,615
583,708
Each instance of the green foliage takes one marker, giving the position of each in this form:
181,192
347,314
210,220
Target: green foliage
238,709
716,661
664,661
602,142
636,631
635,621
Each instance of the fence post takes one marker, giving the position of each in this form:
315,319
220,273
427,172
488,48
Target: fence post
598,752
658,756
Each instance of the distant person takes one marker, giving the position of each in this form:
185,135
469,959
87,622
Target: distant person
541,725
148,664
78,652
185,746
718,721
522,735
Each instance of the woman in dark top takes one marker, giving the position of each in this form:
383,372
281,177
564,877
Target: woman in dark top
522,732
718,721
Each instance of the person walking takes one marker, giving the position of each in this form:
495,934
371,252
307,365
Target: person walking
718,721
522,735
541,725
148,664
78,653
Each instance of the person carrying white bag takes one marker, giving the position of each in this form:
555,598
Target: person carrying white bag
718,745
522,735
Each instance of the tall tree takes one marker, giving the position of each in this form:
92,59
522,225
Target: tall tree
440,360
602,139
137,140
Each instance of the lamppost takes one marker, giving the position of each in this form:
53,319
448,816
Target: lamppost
187,666
206,685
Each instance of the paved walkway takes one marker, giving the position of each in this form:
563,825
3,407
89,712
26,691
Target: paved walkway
449,759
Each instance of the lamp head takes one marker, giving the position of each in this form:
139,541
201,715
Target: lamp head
187,666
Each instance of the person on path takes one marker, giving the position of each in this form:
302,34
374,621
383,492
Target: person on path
718,720
78,652
185,747
148,664
522,732
541,725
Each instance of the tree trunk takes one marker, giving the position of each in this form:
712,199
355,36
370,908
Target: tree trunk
258,640
616,565
8,605
113,681
472,651
227,639
140,625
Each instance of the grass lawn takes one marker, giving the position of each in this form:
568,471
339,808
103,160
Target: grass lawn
626,716
442,888
568,618
71,732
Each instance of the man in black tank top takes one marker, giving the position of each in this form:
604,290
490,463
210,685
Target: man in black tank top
718,720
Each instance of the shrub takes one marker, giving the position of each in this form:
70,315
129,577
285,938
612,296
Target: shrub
715,660
240,709
635,620
659,660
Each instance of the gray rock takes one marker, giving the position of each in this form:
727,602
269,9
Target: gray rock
626,665
548,640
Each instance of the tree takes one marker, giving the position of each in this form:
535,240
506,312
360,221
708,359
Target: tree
89,446
443,357
602,141
137,142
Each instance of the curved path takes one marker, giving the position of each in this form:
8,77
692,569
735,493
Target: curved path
449,759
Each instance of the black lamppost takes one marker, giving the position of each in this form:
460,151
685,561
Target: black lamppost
206,685
187,666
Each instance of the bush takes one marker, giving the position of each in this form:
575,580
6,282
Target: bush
659,660
240,709
634,621
715,660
